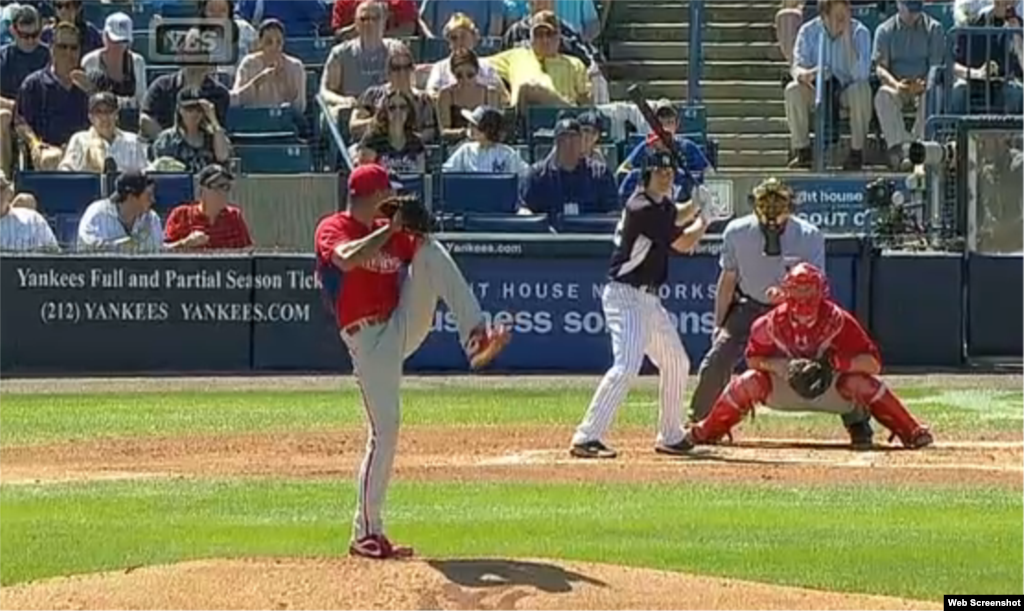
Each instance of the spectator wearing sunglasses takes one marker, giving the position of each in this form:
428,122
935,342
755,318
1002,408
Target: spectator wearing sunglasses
212,222
115,67
70,11
18,60
465,94
403,18
400,69
392,140
462,35
54,102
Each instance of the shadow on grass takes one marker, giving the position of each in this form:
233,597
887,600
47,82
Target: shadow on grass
490,573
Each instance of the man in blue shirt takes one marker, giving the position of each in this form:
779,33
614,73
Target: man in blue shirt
566,183
18,60
695,159
987,66
53,103
832,50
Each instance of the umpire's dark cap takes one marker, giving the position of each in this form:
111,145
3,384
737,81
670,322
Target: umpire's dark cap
132,183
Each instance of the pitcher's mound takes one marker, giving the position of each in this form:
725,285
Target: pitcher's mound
344,583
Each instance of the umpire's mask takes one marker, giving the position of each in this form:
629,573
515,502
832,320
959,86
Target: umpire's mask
772,204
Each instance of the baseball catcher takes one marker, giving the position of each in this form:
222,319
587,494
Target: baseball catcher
810,354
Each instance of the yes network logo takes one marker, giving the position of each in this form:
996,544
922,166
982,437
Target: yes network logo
194,41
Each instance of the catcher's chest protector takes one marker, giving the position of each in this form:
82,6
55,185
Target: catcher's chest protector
806,342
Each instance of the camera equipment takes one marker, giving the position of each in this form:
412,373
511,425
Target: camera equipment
932,153
898,208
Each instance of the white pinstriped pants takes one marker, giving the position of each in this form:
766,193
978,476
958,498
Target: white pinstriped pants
639,325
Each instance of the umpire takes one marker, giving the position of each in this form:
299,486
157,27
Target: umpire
757,250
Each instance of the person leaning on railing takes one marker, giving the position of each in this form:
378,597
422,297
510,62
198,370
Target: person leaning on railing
907,46
847,59
988,66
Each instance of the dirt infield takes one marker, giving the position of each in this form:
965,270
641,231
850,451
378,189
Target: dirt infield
434,584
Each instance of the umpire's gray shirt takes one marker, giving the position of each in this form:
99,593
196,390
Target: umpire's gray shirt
743,252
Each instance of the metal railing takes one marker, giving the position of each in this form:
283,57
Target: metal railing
336,145
959,95
695,73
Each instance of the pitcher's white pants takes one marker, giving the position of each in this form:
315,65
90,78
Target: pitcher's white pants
639,325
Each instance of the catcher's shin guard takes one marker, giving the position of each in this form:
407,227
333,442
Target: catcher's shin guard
739,397
872,393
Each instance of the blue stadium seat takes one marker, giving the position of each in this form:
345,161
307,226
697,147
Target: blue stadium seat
588,223
309,49
413,184
480,193
65,226
430,50
540,121
60,192
275,158
505,223
155,72
171,190
262,124
693,119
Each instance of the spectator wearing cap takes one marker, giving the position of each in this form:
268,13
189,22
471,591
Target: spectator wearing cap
160,104
571,40
489,15
591,128
485,152
844,44
197,138
403,18
462,36
269,77
212,222
907,46
54,102
22,228
18,60
392,140
988,66
400,69
125,220
70,11
668,117
567,183
540,75
88,150
654,148
115,67
355,65
465,94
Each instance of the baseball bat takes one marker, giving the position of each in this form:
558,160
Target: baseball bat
636,95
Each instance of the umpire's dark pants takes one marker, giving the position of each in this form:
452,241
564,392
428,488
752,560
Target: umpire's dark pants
726,351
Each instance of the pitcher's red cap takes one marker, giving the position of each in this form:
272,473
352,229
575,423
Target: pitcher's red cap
370,178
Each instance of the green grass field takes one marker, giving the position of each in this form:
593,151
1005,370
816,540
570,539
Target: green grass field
915,541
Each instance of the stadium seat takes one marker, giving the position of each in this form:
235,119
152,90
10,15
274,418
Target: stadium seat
309,49
430,50
587,223
693,120
941,12
262,124
65,226
60,192
505,223
414,184
171,190
275,158
155,72
128,119
479,193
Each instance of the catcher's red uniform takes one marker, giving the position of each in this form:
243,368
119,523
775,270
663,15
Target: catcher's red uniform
808,325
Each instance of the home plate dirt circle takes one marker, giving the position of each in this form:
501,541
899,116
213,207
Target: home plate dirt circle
346,583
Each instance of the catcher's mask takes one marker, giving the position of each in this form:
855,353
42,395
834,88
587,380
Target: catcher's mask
805,288
772,201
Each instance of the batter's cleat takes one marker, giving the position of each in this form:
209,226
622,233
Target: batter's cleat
592,449
485,343
681,448
861,436
378,547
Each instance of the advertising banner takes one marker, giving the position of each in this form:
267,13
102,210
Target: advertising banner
835,205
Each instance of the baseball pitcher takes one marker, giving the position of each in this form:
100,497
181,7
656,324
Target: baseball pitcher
384,315
809,354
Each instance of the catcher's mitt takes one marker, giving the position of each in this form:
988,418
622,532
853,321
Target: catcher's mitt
415,216
809,379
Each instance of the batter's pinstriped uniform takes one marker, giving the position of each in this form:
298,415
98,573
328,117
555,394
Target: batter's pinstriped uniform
25,230
638,322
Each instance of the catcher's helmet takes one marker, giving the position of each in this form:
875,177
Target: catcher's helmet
805,288
772,198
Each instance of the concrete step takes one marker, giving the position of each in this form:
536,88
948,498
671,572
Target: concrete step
735,108
731,160
677,32
712,90
753,142
747,125
725,51
653,70
679,12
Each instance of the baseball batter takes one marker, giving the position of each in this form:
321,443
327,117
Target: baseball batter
809,354
384,315
652,226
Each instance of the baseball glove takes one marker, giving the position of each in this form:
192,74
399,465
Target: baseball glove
809,379
415,216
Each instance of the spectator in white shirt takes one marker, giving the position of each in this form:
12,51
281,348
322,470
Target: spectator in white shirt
88,150
115,67
22,229
462,35
485,153
125,221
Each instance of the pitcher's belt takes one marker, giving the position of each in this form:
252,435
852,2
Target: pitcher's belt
363,323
